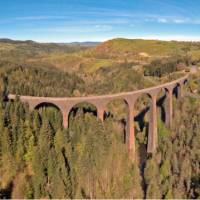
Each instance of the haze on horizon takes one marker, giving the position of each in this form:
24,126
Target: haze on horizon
88,20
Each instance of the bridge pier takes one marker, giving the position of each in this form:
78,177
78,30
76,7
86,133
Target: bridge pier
65,118
169,108
131,130
180,91
152,133
100,112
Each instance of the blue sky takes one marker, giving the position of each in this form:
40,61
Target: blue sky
99,20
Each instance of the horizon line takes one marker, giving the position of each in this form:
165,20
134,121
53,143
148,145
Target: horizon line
159,38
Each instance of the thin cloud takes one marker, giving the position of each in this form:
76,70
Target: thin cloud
72,16
39,17
32,18
162,20
174,20
110,17
88,29
171,6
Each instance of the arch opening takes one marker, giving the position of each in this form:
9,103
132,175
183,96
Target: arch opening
185,81
187,86
46,104
116,113
82,107
162,104
141,125
52,113
142,107
176,90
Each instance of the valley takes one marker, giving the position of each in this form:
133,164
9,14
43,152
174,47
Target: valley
89,158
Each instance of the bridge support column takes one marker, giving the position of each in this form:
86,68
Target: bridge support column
65,118
100,112
152,133
180,91
169,108
31,107
131,130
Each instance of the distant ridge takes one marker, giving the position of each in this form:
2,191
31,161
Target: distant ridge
88,44
6,40
84,44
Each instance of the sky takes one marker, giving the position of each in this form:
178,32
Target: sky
99,20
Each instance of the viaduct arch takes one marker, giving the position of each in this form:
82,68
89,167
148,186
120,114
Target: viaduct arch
65,105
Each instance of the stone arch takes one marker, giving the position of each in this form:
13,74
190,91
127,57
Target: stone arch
46,104
162,103
151,126
186,85
56,116
177,90
87,107
118,99
185,81
168,105
118,109
142,108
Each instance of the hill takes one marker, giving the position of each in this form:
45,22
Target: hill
90,57
22,50
121,61
130,47
116,51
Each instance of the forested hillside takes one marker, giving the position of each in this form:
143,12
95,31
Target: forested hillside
89,159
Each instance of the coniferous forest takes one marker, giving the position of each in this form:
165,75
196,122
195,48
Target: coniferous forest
89,159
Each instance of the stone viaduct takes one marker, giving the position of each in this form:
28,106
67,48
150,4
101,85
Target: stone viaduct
65,105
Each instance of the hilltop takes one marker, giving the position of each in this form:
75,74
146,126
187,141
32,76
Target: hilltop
128,47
